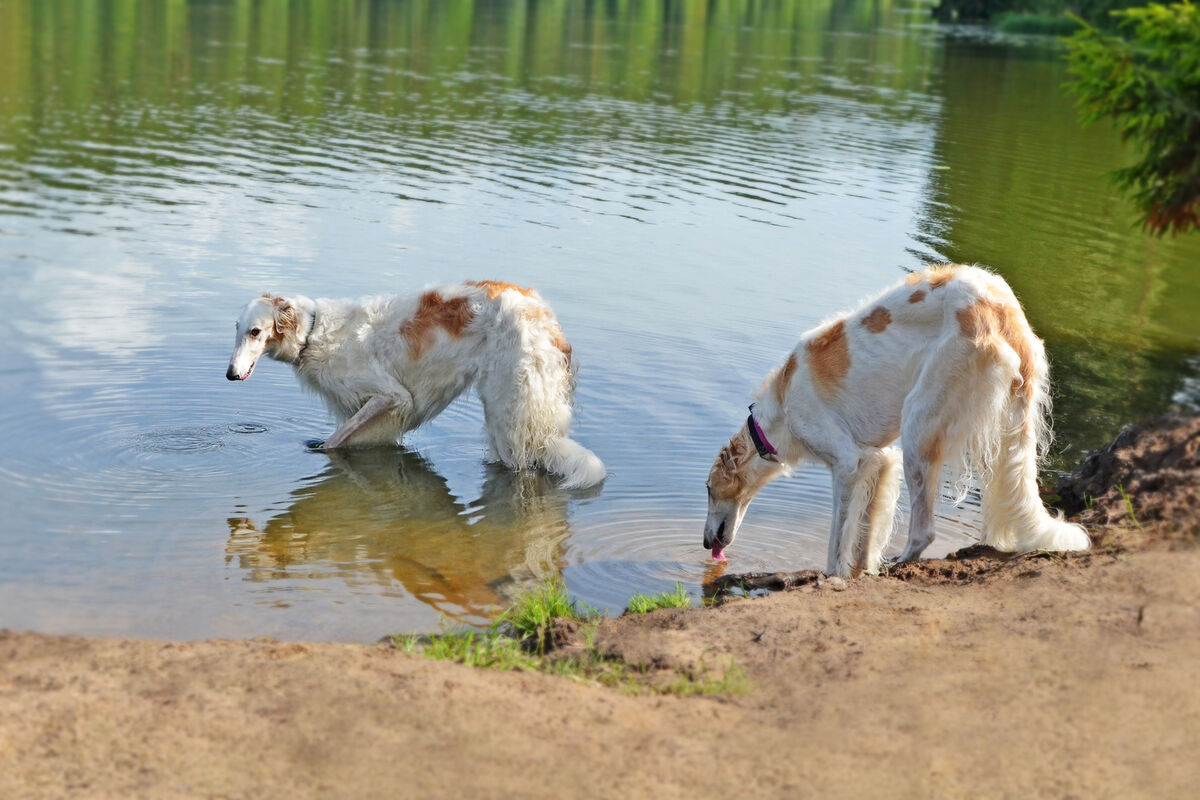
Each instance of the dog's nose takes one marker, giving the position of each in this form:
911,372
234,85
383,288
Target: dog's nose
230,374
713,537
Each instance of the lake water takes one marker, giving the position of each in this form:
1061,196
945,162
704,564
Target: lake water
689,184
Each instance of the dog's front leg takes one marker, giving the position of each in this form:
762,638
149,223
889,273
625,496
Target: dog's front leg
373,411
842,485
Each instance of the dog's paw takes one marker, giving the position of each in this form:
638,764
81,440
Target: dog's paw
315,445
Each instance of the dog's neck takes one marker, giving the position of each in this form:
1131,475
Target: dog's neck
312,324
780,442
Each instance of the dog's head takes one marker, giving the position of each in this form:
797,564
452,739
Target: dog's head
735,478
267,325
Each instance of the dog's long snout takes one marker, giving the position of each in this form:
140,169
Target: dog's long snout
231,374
714,537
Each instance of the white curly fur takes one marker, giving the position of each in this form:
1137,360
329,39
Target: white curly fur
385,365
945,374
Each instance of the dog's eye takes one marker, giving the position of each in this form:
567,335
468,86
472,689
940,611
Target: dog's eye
255,332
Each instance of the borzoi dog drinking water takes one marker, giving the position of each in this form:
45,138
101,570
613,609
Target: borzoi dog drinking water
385,365
946,362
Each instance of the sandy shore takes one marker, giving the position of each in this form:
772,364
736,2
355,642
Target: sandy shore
981,677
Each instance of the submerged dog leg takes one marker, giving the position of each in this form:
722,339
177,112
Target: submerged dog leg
375,409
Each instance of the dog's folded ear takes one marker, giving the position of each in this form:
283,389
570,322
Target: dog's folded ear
285,315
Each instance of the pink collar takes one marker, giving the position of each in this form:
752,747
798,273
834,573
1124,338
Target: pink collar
764,448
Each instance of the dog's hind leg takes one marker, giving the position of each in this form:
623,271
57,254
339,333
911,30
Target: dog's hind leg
924,432
938,425
922,475
364,427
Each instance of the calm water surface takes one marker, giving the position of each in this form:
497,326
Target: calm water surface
690,184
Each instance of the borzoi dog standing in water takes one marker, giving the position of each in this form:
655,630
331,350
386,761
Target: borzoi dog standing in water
946,362
385,365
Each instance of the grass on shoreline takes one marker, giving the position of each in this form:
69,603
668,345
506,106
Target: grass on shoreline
523,638
676,598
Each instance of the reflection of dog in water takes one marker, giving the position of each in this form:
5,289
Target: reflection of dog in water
384,515
386,365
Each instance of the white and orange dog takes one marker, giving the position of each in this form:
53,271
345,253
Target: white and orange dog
946,362
385,365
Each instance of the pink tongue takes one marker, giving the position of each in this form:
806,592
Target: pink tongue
718,553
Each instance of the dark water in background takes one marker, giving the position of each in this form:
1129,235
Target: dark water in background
690,184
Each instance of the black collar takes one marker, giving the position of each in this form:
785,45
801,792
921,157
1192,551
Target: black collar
764,448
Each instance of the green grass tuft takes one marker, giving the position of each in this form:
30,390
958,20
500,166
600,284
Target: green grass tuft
1129,506
485,649
521,640
732,681
532,616
677,598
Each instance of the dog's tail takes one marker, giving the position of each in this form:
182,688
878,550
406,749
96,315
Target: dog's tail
1014,519
527,394
579,466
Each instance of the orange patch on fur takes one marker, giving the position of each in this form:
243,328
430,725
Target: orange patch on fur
877,320
916,296
988,323
496,288
434,312
940,276
937,277
784,378
829,357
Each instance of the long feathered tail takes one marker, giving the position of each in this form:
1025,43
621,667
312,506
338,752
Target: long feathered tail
579,466
528,402
1014,518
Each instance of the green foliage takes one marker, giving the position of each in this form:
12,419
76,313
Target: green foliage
488,649
532,615
1030,13
520,640
732,680
677,598
1045,24
1146,79
1129,506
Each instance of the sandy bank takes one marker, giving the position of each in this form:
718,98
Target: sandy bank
979,676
